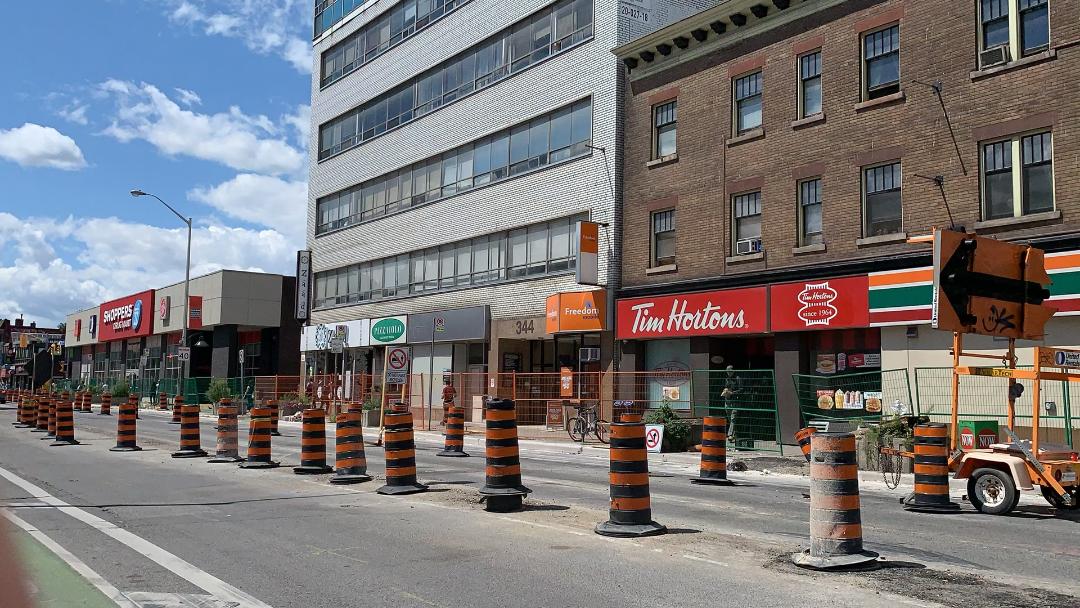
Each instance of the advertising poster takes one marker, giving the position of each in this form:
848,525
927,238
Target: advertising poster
872,400
826,363
825,399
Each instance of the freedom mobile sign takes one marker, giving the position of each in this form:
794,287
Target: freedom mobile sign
989,287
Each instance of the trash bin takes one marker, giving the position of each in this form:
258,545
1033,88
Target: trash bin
978,434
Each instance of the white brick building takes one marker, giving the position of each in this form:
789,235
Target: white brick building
567,72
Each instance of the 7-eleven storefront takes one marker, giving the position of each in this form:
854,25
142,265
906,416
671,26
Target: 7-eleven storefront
900,303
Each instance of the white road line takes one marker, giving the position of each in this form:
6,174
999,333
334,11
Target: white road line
201,579
545,526
707,561
76,564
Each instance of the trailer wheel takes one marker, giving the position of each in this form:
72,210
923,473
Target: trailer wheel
1052,497
992,491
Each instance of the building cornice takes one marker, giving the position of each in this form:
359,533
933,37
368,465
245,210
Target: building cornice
722,26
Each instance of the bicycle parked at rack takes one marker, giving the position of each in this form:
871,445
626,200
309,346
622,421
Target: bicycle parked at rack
587,423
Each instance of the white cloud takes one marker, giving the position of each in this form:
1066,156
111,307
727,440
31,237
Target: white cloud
261,199
113,258
188,98
75,112
265,27
301,123
33,145
237,140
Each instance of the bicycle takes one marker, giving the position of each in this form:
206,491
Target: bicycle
587,423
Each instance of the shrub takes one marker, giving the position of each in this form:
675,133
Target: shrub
218,390
120,390
676,430
372,403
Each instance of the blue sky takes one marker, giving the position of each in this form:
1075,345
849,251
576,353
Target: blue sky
202,102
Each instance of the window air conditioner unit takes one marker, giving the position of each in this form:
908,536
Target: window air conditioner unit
589,355
748,246
998,55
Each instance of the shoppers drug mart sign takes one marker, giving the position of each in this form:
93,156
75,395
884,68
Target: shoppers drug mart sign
128,317
389,330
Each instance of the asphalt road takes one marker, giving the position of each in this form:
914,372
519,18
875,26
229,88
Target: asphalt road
286,540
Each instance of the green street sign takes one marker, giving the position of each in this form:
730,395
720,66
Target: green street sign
387,331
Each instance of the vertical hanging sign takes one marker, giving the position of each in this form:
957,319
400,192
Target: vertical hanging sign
303,285
588,248
195,311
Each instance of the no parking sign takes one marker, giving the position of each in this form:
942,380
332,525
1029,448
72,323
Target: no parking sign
654,437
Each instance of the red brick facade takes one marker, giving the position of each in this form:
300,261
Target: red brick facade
938,43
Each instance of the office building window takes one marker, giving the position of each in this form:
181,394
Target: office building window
663,238
540,142
810,232
507,52
381,34
1007,193
810,84
881,62
665,116
747,226
539,249
882,208
747,103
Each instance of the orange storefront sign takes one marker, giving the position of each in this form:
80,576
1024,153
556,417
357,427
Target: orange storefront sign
576,311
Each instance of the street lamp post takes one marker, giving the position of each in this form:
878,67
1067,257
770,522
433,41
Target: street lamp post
187,274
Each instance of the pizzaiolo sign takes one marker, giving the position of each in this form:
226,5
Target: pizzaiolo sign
126,317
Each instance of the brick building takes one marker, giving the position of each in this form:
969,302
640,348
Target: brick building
778,156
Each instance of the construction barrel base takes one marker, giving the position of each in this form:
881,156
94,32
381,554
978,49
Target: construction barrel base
452,454
834,562
347,479
228,459
917,503
312,470
711,481
249,464
503,500
414,488
610,528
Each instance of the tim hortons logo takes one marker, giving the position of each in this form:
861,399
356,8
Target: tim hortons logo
817,304
709,318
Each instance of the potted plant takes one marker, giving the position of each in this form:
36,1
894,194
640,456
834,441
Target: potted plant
676,430
371,411
291,403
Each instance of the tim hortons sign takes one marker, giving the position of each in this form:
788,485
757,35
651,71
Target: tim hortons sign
710,313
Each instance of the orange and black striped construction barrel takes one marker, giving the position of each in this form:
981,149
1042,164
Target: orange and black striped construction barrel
313,443
42,414
630,511
400,454
50,431
178,402
163,402
835,514
87,398
713,452
228,442
125,426
454,445
258,454
31,412
65,423
351,461
106,404
275,413
20,415
502,476
931,471
190,444
803,437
